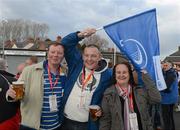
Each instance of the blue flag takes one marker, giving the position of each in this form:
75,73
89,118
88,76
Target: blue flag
137,37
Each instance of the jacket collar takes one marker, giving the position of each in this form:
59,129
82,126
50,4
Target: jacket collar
39,66
111,90
3,72
103,65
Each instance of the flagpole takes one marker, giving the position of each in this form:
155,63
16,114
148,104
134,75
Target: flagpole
98,29
114,54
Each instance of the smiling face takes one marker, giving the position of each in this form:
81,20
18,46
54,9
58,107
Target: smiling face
122,75
55,55
91,57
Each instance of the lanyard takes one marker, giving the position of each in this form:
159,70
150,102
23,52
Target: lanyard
50,78
130,97
84,81
131,101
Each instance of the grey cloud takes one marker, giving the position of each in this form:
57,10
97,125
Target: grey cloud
64,16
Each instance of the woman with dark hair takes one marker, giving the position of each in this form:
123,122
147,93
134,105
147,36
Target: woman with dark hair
125,103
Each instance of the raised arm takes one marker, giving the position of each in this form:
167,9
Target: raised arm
152,91
72,54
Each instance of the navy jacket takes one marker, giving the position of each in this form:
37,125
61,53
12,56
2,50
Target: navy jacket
75,64
170,95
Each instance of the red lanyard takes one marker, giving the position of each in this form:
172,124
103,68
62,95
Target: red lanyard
84,81
130,97
131,102
50,78
124,90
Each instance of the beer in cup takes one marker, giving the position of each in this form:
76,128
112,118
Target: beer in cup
93,109
18,87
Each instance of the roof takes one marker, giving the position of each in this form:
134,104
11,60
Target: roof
177,53
174,57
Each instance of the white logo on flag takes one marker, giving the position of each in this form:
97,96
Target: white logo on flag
136,51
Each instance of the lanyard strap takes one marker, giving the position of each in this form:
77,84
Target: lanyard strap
84,81
129,96
131,102
50,78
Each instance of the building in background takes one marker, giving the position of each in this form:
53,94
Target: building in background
174,57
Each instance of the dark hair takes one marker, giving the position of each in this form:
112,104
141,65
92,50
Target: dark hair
91,45
47,40
34,59
131,78
54,43
169,61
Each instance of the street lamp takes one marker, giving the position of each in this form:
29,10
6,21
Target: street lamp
4,21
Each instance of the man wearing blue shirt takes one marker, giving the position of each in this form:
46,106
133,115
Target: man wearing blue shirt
44,86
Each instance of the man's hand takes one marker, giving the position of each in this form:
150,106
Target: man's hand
11,93
87,32
99,113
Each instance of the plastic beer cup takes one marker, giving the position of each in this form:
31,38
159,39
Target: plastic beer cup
18,87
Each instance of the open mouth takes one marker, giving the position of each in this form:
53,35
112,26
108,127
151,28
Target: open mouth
122,78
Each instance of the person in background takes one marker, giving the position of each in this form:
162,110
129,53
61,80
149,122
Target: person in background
110,64
20,68
44,87
125,104
58,39
169,95
178,71
88,77
31,60
9,111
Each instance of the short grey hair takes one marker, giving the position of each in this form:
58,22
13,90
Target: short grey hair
3,64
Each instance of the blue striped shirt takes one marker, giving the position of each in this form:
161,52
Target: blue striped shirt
50,120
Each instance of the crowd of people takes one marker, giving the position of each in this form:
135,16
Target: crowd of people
59,99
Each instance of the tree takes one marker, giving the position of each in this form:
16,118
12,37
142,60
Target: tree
20,30
97,40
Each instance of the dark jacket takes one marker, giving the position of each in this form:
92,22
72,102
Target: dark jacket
112,118
170,95
7,109
75,64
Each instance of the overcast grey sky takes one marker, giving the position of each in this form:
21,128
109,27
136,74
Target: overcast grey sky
65,16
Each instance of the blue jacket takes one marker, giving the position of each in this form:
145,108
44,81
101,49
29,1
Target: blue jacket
75,64
170,95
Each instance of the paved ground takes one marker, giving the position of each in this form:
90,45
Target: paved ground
177,120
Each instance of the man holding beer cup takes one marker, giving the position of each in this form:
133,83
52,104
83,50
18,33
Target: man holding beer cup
88,77
9,112
44,87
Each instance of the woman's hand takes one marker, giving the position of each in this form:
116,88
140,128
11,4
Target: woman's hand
144,71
